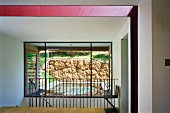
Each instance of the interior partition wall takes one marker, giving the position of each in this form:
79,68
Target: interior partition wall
68,70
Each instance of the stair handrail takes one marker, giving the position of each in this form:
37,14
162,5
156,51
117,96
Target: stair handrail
39,93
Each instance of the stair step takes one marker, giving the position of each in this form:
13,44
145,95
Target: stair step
110,96
111,110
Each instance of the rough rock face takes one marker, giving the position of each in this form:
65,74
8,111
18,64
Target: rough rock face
76,69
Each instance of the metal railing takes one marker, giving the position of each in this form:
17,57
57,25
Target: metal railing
51,92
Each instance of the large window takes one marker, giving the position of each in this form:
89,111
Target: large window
79,69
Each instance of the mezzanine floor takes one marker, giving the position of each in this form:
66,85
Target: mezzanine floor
49,110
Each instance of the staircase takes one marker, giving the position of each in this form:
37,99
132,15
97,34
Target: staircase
107,97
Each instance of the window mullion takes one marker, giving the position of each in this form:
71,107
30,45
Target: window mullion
45,70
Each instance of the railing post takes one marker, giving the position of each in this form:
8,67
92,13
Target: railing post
36,91
114,91
29,93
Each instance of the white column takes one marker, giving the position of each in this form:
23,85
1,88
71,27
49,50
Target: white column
145,57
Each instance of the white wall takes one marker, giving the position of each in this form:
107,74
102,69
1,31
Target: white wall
117,52
117,63
0,69
145,58
161,51
12,78
124,75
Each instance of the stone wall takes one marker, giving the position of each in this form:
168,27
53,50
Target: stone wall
78,69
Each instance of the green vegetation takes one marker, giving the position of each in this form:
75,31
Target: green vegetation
42,61
101,56
30,55
47,76
70,55
65,54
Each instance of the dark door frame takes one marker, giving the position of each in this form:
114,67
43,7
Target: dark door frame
134,58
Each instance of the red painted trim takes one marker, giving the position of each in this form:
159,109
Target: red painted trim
41,10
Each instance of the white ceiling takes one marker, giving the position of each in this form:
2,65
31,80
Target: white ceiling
54,28
69,2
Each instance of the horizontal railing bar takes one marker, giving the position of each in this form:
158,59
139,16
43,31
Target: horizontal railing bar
70,96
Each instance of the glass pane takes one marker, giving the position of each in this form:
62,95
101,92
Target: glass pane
31,65
33,69
101,67
41,81
68,69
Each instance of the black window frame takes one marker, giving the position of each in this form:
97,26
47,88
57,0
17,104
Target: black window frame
45,48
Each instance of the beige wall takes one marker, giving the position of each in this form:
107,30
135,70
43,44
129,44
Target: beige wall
161,51
117,67
12,70
117,52
145,57
0,69
124,75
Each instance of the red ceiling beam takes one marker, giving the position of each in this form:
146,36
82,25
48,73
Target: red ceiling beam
42,10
